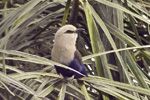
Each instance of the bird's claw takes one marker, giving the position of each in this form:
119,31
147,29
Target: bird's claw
69,79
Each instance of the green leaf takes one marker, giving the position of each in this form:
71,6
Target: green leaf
62,91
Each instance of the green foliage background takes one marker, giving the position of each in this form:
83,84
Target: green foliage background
114,46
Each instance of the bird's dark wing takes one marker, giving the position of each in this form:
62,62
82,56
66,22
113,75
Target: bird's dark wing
78,65
77,55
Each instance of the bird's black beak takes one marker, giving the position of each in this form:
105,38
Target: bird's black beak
78,30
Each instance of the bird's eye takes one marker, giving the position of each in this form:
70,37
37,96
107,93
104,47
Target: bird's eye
69,31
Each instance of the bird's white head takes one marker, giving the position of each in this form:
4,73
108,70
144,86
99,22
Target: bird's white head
66,29
67,34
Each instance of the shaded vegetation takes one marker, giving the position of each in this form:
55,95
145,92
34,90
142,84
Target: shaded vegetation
114,46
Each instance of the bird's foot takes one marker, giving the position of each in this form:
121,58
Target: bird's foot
69,79
61,76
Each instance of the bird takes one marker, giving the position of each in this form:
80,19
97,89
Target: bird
64,51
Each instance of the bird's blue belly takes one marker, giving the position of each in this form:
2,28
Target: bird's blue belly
68,73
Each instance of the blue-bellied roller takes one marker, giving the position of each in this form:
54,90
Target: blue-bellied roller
64,51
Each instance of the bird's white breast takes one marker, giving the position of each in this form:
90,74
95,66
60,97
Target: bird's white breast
64,48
